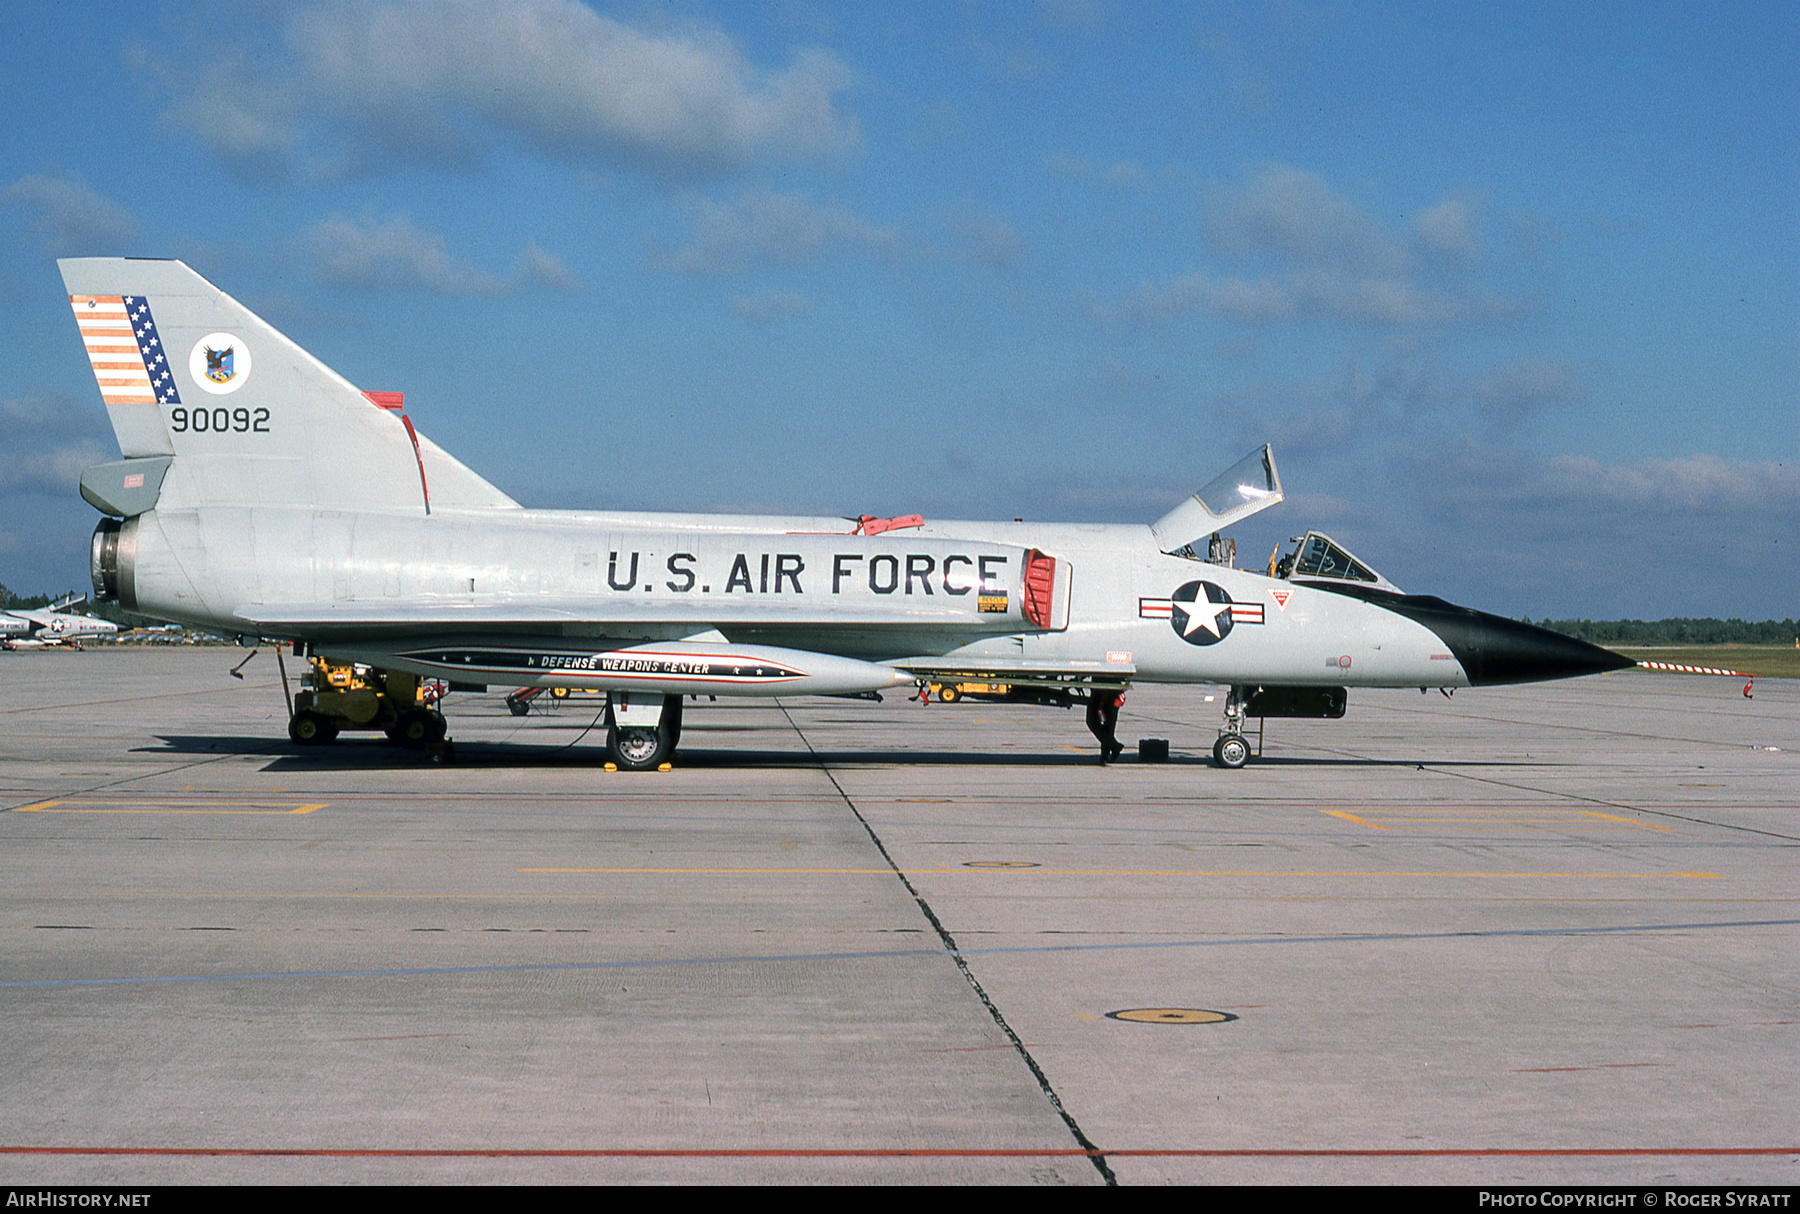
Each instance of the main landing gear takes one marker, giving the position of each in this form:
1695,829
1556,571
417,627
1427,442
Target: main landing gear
642,731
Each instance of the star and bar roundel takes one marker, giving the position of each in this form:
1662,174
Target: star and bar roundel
1202,613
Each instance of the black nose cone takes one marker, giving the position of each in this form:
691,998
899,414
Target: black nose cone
1494,649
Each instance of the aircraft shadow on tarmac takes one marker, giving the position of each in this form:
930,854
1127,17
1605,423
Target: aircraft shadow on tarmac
373,754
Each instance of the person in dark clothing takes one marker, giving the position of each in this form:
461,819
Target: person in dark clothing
1103,718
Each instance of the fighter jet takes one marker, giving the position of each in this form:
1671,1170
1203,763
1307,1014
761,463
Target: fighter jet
36,627
264,496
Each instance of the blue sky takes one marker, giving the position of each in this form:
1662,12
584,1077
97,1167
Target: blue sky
1513,289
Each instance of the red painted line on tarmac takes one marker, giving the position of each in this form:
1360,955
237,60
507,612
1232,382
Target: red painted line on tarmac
898,1152
1455,1153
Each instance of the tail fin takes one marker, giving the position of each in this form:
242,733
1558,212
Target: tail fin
197,384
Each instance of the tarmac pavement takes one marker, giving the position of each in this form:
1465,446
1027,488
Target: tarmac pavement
1533,935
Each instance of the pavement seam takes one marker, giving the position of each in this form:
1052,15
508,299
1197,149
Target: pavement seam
92,788
1094,1153
1636,809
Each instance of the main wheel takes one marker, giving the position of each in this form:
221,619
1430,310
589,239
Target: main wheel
308,728
636,748
1231,751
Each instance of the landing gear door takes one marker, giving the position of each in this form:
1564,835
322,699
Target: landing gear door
1247,487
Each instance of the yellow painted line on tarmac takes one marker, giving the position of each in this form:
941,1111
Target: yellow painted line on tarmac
1382,819
453,895
141,806
1090,872
831,872
1347,816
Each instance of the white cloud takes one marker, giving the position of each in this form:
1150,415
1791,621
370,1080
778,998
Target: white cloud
1316,255
1581,492
1123,174
538,268
1524,389
1399,397
1318,295
1155,302
245,111
443,80
1391,302
1448,230
1704,485
1294,217
393,255
1258,51
49,469
1251,302
48,441
763,228
70,218
984,238
1571,535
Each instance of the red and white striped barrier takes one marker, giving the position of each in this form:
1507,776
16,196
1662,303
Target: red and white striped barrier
1680,669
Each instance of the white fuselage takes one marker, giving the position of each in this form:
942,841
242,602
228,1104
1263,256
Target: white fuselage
946,590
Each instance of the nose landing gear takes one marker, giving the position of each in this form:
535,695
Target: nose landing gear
1232,750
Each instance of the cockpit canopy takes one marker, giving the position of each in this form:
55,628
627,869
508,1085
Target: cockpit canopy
1316,557
1248,486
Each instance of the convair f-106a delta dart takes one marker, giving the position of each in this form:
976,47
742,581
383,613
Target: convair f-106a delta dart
38,627
263,495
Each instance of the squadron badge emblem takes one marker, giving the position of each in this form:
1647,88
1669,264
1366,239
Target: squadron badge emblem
219,363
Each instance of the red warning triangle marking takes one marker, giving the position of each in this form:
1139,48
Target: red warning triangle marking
1281,597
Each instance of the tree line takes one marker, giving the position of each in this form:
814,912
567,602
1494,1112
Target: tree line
15,602
1679,631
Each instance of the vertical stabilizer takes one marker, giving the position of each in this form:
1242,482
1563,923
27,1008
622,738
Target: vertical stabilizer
248,417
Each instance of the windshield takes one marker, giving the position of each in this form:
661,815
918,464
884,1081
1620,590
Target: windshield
1319,556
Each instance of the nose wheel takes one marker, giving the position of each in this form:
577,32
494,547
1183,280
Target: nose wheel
1231,751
